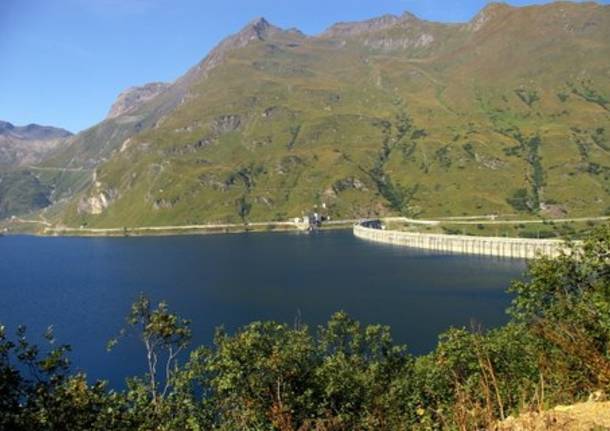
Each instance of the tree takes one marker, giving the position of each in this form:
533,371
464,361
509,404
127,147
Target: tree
165,336
364,379
260,378
243,208
566,301
38,391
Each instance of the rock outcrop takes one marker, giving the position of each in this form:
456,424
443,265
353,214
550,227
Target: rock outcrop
134,97
491,11
257,30
350,29
97,201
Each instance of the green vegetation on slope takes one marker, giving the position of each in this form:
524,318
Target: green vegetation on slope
342,376
21,192
411,117
394,116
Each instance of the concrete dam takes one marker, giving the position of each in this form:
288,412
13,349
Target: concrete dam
521,248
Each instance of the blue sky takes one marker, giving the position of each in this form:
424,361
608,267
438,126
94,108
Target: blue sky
63,62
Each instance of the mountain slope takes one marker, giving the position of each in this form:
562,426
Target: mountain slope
28,145
132,98
21,188
509,112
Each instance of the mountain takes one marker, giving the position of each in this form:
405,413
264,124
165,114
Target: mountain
21,189
132,98
141,108
507,113
32,132
28,145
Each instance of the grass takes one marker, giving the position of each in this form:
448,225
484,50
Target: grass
22,191
456,127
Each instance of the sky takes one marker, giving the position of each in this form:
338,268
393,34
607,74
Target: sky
63,62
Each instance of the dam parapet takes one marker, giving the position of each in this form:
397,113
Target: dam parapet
518,248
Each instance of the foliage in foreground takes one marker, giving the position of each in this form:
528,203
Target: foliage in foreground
343,376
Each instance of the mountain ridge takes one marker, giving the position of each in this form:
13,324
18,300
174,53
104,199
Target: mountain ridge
21,147
133,97
378,118
32,131
29,144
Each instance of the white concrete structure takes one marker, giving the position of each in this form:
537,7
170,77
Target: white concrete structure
488,246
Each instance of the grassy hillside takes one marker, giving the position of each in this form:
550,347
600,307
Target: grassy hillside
508,113
21,192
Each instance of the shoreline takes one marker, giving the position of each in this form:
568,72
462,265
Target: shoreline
44,228
164,231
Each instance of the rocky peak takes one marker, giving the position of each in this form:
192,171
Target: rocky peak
5,126
35,131
348,29
132,98
295,31
258,29
488,13
32,132
27,145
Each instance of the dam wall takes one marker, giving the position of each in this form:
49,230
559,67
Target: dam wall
520,248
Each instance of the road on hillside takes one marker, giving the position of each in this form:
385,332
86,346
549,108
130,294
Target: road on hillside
50,228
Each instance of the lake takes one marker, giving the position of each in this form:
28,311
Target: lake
84,287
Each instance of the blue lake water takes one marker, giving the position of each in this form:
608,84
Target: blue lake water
84,287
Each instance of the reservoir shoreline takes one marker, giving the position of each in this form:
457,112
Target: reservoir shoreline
153,231
507,246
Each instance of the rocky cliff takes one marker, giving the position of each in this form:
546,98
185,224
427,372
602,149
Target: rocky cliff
134,97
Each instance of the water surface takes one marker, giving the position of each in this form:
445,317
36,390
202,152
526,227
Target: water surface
84,287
